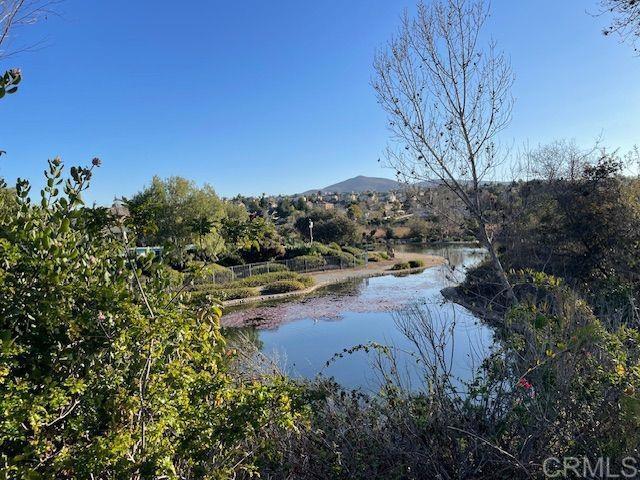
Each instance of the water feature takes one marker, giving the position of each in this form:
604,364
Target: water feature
303,333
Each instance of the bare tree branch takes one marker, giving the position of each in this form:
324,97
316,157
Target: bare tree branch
447,100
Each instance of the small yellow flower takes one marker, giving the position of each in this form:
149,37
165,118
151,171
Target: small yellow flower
620,370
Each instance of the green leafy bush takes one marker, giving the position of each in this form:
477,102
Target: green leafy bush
306,262
401,266
265,278
373,257
353,250
271,267
106,376
306,281
233,293
347,259
416,263
377,256
199,272
174,278
335,246
283,286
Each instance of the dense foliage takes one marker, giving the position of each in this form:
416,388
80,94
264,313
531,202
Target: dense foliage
103,373
175,213
328,226
585,230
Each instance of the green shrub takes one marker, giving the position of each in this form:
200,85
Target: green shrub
97,379
221,293
269,268
401,266
254,281
198,272
283,286
347,259
173,277
321,249
416,263
353,250
265,278
230,259
307,281
307,262
377,256
250,286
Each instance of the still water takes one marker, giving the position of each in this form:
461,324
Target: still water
303,333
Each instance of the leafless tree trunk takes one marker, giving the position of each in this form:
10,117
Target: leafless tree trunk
447,99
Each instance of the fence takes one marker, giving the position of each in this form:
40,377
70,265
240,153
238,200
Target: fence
304,264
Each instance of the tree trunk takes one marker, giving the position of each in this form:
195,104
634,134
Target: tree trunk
497,265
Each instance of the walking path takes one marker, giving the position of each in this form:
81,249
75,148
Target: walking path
372,269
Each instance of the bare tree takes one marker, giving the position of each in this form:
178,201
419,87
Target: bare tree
447,99
626,19
559,160
14,14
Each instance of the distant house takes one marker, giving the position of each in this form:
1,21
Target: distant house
119,209
140,251
327,206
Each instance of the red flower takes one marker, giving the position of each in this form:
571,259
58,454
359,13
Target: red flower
524,383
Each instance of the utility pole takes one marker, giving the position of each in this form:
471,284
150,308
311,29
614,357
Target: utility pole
311,230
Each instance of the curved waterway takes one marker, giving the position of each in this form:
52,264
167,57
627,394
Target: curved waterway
302,334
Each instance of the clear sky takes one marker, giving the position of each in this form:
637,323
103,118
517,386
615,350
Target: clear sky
274,96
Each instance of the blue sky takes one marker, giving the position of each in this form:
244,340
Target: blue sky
275,96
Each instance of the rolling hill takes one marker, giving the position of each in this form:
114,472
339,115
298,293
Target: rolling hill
359,184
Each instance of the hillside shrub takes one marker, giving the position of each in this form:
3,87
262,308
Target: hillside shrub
329,226
283,286
174,278
233,293
373,257
347,259
265,278
230,259
400,266
353,250
306,262
416,263
271,267
199,272
335,246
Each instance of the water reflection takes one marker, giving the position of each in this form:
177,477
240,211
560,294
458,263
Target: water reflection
305,333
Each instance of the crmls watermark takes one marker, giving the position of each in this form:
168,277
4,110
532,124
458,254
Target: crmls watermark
583,467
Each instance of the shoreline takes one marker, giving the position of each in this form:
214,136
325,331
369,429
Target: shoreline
332,277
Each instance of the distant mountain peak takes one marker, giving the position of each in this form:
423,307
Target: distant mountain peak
360,183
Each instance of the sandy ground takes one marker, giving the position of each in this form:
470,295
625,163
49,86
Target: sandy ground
373,269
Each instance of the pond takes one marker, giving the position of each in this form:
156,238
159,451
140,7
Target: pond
302,334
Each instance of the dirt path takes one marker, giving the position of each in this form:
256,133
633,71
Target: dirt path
373,269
